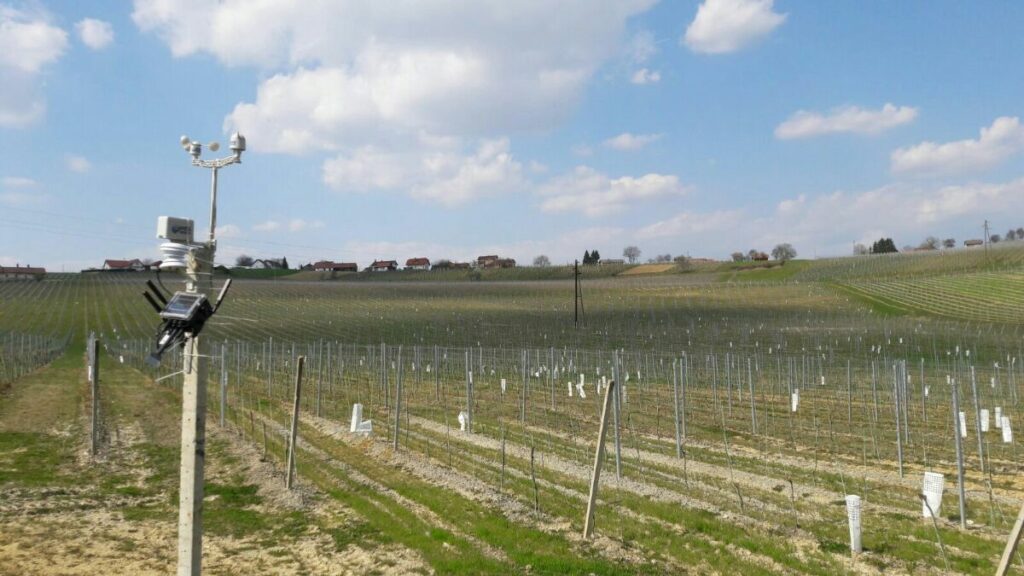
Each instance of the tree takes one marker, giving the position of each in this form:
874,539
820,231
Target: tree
752,253
1011,234
859,249
595,257
244,261
995,238
1020,233
541,261
784,252
586,257
883,246
949,243
284,263
662,258
631,253
930,243
738,257
442,264
682,262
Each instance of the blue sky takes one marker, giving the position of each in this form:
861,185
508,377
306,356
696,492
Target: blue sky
452,128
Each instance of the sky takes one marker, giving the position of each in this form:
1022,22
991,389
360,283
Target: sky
455,128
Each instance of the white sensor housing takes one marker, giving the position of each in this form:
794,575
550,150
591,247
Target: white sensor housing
174,229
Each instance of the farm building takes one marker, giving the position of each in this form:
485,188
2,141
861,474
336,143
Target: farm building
383,266
328,266
417,264
270,264
21,273
760,257
486,261
973,242
134,265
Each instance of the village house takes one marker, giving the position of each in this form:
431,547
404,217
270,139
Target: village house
134,265
417,264
269,264
383,266
486,261
18,272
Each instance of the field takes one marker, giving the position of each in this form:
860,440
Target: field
751,402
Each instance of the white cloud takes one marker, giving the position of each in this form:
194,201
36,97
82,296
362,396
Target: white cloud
627,141
17,182
996,143
298,225
441,172
723,26
828,224
20,198
850,119
28,43
95,34
645,76
229,231
594,194
268,226
359,72
687,224
642,46
78,164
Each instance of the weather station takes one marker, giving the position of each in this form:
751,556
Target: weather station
182,318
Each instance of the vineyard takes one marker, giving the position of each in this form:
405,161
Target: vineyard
744,413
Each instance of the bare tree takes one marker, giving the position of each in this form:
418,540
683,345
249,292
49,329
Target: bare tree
1011,234
784,252
859,249
631,253
244,261
682,262
738,257
949,243
541,261
930,243
661,258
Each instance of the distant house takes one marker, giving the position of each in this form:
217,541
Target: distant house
460,266
611,262
269,264
760,257
973,242
504,263
134,265
21,273
417,264
486,261
383,266
328,266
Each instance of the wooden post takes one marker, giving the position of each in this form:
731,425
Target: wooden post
615,416
959,455
1011,544
295,422
588,521
223,380
94,373
675,404
398,399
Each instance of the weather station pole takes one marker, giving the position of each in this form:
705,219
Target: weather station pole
199,274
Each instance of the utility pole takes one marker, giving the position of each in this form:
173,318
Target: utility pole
986,241
577,295
199,279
